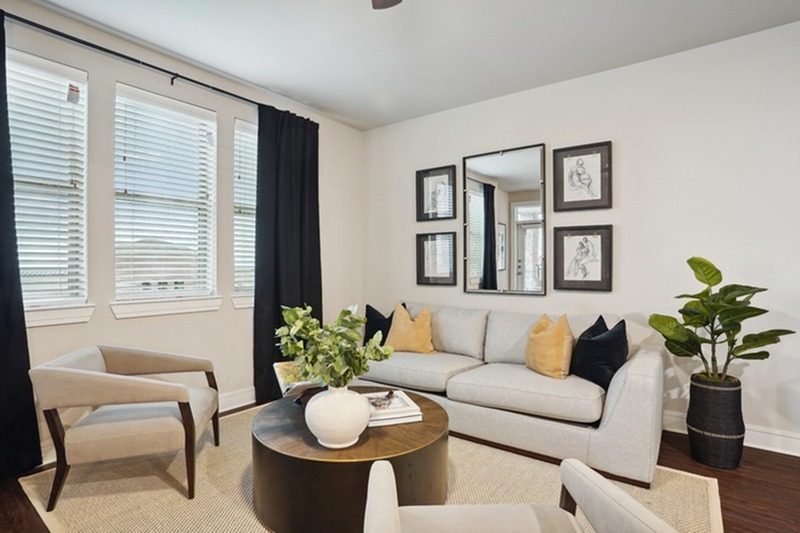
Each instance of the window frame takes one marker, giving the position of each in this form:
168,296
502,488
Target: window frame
244,173
61,307
202,296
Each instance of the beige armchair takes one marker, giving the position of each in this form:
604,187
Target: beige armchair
132,415
607,507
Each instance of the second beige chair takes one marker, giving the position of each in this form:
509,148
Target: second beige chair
607,507
132,415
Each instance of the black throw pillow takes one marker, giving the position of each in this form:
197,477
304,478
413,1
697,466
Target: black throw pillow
600,352
377,322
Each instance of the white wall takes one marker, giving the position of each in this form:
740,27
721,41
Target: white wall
705,162
225,335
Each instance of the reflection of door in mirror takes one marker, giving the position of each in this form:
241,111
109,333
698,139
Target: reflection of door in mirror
529,246
504,221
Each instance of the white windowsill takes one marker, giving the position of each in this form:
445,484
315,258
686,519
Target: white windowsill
56,316
243,302
176,306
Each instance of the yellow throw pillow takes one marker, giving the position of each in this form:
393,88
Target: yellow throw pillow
408,335
549,349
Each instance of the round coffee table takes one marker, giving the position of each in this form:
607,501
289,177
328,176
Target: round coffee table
300,486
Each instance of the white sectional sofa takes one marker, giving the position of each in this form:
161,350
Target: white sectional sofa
479,376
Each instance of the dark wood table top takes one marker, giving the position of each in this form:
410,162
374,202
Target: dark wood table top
281,427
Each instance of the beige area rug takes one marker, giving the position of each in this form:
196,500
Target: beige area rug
148,494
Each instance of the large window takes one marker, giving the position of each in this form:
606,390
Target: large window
245,143
165,182
47,118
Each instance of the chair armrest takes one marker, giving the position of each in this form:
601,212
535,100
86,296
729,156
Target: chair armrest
131,361
58,388
608,508
382,514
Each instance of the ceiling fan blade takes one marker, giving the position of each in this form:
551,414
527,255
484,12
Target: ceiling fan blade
383,4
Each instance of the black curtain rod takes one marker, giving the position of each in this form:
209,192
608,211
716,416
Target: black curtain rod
172,75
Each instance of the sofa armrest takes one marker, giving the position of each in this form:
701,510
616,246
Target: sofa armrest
646,364
382,514
632,418
58,388
608,508
131,361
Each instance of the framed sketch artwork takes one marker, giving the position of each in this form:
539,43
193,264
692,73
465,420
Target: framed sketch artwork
436,193
436,258
582,258
582,177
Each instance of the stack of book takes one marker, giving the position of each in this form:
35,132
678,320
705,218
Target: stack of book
289,380
393,407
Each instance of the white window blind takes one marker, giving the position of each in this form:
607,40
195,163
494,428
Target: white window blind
245,150
165,183
475,227
47,119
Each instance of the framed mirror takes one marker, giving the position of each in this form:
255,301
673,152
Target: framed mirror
504,225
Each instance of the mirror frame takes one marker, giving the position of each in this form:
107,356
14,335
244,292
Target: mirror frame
543,197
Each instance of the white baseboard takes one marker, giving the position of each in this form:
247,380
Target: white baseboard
235,399
760,437
674,421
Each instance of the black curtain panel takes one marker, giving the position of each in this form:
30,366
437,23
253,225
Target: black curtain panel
19,428
288,266
489,280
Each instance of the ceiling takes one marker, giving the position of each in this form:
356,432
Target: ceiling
370,68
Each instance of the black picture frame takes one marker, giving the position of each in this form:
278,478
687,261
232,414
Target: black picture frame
436,193
582,258
582,177
436,258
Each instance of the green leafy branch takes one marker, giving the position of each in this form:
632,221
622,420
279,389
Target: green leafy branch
713,320
332,353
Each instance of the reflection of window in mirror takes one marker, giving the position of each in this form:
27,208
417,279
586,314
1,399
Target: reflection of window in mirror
528,245
475,228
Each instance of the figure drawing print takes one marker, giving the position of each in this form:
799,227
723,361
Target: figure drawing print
582,177
583,258
438,201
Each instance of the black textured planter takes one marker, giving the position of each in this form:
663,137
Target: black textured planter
715,423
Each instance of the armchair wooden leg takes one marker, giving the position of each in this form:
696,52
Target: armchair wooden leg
212,382
188,430
215,425
62,468
567,502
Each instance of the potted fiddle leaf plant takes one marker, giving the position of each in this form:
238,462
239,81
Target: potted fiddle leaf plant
333,356
710,328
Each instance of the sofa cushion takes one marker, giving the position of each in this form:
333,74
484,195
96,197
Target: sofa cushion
507,333
127,430
600,352
507,336
427,372
549,348
410,335
455,330
515,388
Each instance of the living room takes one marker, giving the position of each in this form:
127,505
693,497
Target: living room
703,150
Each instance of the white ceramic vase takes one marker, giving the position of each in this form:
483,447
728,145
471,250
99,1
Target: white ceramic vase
337,416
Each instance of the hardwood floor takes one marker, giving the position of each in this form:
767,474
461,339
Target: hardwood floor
762,495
